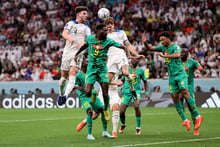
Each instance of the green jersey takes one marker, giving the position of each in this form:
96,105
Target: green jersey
137,75
97,50
80,82
174,65
190,66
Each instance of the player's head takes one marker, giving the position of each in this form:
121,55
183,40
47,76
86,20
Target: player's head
101,31
81,13
165,38
109,22
134,63
184,54
84,65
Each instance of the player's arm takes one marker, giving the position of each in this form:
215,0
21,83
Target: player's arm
132,50
118,83
82,48
66,36
200,68
148,46
146,89
175,55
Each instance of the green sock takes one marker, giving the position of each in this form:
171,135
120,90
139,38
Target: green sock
183,104
138,122
193,107
89,124
104,122
122,118
179,109
106,103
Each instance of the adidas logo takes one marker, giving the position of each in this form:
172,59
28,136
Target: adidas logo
212,102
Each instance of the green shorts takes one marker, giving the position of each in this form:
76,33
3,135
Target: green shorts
99,74
177,83
86,103
127,97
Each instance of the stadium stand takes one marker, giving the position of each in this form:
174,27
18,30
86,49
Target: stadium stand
31,43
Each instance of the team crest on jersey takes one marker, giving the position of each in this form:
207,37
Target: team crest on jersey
167,60
182,82
97,47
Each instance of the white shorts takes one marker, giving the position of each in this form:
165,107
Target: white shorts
68,61
115,62
114,97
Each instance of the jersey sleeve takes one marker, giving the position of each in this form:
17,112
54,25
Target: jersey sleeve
114,43
159,48
178,49
124,36
196,64
88,31
69,25
142,76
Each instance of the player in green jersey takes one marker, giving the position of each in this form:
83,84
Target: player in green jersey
190,66
90,105
137,75
98,46
177,76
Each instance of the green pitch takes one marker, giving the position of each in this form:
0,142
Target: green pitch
57,127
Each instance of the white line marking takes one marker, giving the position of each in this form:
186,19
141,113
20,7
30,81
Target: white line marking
51,119
168,142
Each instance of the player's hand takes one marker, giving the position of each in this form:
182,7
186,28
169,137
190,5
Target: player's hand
140,56
75,58
147,97
80,44
143,37
119,83
160,54
71,41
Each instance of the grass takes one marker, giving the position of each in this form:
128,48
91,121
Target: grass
57,127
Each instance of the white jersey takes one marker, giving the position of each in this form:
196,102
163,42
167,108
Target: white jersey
78,32
118,36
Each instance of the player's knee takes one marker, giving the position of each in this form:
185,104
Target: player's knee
89,111
94,92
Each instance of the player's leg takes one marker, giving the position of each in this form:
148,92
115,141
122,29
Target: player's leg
193,107
179,109
98,108
72,77
125,100
62,81
114,105
138,113
106,99
125,71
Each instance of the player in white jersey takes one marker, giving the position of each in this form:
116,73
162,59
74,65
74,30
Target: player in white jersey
75,33
117,60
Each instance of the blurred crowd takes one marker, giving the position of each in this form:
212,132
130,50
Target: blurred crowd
31,44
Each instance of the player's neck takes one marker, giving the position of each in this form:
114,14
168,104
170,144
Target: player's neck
79,20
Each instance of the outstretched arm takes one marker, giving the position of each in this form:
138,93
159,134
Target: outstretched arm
66,36
79,51
132,50
146,90
148,46
175,55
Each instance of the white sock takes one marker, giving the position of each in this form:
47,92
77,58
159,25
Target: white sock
62,83
115,120
70,85
129,80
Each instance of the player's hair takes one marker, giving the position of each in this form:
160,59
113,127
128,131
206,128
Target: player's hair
99,26
185,51
81,8
165,34
109,20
